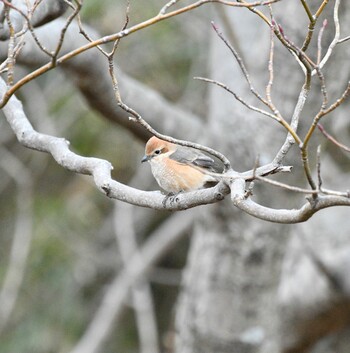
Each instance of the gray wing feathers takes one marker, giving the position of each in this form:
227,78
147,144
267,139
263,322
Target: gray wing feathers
198,158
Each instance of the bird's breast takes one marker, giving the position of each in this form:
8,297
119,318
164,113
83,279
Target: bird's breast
174,177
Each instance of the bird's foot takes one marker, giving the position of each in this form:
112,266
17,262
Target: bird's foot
172,197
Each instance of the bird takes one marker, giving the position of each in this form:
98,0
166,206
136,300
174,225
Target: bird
178,168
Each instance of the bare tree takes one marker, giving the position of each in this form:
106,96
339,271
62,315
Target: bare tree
273,83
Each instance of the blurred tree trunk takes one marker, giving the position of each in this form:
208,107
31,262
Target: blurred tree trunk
232,284
229,298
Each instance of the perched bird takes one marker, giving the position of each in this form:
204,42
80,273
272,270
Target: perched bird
177,168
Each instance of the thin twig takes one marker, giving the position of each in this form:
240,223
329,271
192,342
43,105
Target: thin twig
304,145
167,6
313,20
323,88
64,30
86,35
277,118
30,27
307,169
110,57
239,61
121,34
319,41
307,10
344,39
136,117
286,186
335,40
314,192
11,46
332,139
324,112
318,167
289,141
257,12
270,63
251,107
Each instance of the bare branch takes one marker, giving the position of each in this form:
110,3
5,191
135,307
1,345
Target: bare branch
138,119
240,63
119,35
251,107
335,40
343,39
282,215
28,25
40,13
11,46
286,186
64,30
90,75
332,139
276,114
277,118
319,42
324,112
110,57
167,6
313,20
99,169
319,177
270,66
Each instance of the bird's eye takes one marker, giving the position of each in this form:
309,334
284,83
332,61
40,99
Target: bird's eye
157,151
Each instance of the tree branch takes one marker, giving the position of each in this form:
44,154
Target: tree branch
282,215
121,34
44,13
90,75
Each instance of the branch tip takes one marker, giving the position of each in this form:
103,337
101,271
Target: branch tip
280,28
215,27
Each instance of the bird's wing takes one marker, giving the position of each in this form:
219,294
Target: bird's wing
195,157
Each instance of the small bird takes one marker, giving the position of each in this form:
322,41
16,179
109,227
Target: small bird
177,168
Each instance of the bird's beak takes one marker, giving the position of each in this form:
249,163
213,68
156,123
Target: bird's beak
145,159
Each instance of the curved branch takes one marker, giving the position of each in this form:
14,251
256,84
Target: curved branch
121,34
282,215
90,75
99,169
101,172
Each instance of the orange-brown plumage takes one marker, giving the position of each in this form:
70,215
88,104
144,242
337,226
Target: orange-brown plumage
155,143
177,168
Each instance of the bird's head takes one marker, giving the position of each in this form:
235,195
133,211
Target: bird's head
157,149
